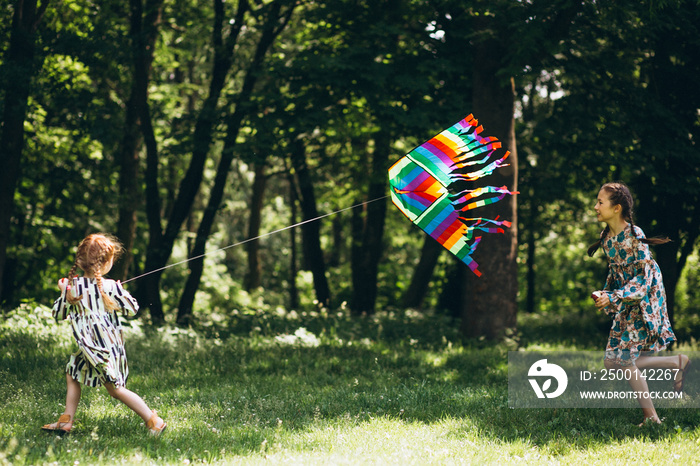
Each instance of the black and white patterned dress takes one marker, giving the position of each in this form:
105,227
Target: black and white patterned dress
101,357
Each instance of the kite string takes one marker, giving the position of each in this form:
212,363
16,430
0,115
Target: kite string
257,237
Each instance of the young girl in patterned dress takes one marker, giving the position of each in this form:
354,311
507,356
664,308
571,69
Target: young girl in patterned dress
634,296
91,304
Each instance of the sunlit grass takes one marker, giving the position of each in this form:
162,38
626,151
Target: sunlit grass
345,392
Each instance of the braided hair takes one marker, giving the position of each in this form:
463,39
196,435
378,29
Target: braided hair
93,253
619,194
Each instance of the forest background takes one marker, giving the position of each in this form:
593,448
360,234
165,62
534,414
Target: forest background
184,127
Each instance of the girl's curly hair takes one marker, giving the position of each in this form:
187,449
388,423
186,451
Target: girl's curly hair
93,253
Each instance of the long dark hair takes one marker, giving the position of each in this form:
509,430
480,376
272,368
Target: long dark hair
620,194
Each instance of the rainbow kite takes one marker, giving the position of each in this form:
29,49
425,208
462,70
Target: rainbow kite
425,186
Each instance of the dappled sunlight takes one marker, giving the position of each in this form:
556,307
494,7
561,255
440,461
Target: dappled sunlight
272,396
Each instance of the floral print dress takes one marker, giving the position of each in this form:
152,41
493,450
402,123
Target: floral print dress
637,299
101,357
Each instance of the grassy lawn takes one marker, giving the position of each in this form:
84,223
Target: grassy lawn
390,390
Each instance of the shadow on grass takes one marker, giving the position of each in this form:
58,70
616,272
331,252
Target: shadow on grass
241,394
583,330
261,389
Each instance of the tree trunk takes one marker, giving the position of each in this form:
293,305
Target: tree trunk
422,274
196,263
336,252
531,257
252,279
18,69
368,233
489,303
160,243
311,231
450,298
144,32
273,26
293,290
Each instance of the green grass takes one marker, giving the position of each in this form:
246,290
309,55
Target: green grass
396,389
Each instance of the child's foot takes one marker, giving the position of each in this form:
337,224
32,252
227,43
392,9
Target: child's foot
62,426
650,420
156,425
683,365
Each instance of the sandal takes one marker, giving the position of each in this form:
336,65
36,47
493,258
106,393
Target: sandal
155,424
678,384
62,426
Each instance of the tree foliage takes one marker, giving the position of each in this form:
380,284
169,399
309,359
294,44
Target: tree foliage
189,127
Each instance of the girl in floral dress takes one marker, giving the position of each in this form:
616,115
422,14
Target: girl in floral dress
633,296
91,304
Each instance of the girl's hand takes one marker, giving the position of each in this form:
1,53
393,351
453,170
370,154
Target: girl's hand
63,284
601,300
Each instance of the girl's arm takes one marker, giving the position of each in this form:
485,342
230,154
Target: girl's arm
126,302
635,289
603,302
60,306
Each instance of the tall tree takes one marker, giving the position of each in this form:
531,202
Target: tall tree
668,70
311,231
252,278
637,114
161,240
488,305
594,133
17,72
368,230
275,17
144,24
378,103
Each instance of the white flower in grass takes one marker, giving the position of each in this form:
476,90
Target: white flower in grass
307,338
301,337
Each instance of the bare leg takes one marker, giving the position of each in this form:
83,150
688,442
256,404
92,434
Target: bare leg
73,391
131,399
664,362
639,385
